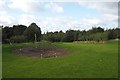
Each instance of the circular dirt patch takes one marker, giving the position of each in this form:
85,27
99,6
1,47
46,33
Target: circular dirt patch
41,52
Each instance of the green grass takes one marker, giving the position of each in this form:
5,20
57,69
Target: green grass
84,61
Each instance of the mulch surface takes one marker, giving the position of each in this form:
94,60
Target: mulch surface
41,52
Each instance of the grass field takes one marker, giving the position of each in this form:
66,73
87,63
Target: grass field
84,61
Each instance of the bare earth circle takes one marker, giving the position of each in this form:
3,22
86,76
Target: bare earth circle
41,52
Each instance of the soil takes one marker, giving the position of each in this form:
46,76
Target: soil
41,52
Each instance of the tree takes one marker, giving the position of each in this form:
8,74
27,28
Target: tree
53,36
7,32
117,32
19,29
69,36
17,39
49,36
76,35
61,35
31,31
112,34
95,30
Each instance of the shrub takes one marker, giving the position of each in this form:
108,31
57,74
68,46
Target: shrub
17,39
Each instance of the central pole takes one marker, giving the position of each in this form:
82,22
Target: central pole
35,40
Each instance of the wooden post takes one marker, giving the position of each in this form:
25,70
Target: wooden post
41,55
35,41
55,55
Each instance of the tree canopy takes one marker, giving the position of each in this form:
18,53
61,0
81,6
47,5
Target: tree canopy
31,31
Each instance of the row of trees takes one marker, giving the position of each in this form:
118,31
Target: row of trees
99,34
94,34
22,33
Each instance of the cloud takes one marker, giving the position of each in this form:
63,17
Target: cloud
35,6
108,10
92,21
26,5
103,7
63,23
85,0
2,4
6,19
26,19
54,23
55,7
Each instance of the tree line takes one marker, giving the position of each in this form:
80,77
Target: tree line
94,34
22,33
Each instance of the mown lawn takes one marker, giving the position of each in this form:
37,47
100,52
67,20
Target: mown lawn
84,61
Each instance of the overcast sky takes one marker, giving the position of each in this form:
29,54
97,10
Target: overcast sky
55,16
